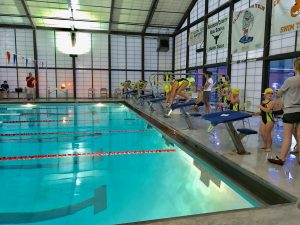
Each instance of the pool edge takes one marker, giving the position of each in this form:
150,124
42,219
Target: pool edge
255,185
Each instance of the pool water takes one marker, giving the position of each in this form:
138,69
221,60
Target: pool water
89,164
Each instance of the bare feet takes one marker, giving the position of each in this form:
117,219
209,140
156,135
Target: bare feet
168,104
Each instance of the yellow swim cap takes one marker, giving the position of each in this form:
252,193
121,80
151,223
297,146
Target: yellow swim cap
191,79
268,91
235,91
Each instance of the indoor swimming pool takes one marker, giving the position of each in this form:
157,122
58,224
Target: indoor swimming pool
92,164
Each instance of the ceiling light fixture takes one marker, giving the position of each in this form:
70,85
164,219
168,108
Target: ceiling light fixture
73,43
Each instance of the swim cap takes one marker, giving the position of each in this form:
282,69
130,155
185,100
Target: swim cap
268,91
235,90
191,79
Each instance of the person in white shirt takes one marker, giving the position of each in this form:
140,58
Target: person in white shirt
207,90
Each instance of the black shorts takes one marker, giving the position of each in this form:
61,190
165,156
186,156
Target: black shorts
291,117
278,112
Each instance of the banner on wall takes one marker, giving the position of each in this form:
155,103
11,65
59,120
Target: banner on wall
285,16
196,36
248,28
217,34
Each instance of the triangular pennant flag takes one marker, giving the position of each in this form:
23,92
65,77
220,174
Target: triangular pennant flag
15,58
26,62
8,57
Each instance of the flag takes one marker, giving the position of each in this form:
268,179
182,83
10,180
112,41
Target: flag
285,16
8,57
248,28
15,58
196,36
217,35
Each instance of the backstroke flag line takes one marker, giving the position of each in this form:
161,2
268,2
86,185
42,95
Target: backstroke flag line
217,35
248,28
285,16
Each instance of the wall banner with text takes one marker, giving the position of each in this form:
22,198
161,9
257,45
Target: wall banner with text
285,16
217,35
248,28
196,36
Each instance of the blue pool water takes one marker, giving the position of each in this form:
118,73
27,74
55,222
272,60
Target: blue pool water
98,190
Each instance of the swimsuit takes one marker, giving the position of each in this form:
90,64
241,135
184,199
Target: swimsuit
266,116
234,107
181,81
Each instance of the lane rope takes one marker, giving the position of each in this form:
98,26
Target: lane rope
62,120
69,132
55,156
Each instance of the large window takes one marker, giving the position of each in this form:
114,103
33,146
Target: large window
280,70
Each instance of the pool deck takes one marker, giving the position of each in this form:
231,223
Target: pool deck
285,177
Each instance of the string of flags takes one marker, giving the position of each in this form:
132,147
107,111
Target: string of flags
20,59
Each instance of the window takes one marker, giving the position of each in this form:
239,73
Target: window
280,70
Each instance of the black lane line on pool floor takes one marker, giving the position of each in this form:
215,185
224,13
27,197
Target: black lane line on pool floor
79,132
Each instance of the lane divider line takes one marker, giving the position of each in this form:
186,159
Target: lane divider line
55,156
69,132
70,113
10,114
62,120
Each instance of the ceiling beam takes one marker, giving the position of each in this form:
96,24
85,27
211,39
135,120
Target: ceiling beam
150,14
187,13
111,15
24,4
17,26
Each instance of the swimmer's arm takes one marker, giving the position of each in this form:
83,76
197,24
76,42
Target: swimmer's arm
234,100
269,108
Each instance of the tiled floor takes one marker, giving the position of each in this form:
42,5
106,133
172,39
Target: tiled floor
285,177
